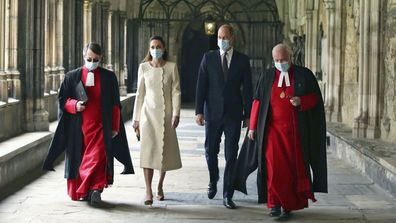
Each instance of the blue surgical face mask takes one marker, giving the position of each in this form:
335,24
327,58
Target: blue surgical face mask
156,53
283,67
223,44
91,65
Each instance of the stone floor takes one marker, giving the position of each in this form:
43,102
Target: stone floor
351,198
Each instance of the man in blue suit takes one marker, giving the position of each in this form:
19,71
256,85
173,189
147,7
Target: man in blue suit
223,100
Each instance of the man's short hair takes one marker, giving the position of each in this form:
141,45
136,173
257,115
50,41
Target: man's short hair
282,46
94,47
229,27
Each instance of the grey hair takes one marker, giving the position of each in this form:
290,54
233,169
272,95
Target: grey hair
283,47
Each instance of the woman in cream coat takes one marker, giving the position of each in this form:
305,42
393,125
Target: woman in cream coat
156,115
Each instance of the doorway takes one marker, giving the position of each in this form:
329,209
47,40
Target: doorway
195,44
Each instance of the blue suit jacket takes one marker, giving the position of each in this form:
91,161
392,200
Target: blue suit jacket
216,97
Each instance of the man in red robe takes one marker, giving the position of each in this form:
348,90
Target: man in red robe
288,126
90,130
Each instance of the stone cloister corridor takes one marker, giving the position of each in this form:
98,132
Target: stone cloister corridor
349,45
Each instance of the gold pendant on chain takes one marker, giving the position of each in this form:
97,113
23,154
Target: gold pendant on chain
282,94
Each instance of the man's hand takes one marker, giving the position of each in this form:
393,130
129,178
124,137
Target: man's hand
295,101
114,133
251,134
245,122
175,121
199,119
80,106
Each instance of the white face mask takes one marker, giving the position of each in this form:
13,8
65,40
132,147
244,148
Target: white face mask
156,53
283,67
91,65
223,44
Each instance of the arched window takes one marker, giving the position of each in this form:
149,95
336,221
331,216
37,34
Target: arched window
256,23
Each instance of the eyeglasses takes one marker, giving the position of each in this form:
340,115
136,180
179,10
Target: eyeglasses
92,60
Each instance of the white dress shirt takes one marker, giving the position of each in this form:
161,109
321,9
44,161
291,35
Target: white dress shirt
229,56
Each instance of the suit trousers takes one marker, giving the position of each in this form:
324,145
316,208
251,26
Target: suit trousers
213,132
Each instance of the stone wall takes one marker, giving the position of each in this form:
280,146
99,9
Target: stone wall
40,41
11,116
350,86
351,47
11,120
51,106
388,122
21,157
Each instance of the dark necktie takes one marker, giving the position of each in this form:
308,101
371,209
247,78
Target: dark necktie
225,66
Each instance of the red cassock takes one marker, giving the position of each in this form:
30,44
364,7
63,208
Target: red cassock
287,180
92,173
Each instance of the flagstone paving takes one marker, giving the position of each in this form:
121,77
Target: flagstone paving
351,198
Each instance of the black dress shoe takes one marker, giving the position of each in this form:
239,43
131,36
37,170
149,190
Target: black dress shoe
212,190
228,203
285,216
275,211
95,197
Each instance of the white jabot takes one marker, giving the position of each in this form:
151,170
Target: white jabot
90,82
284,76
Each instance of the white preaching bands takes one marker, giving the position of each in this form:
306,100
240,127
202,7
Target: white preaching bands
284,76
90,82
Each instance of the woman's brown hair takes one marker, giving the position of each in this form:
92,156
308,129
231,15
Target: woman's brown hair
164,56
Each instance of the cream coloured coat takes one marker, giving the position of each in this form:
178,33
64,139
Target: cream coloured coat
158,99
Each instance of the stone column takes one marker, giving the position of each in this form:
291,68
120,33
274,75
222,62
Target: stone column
33,17
10,47
109,40
337,71
97,22
115,48
73,14
376,58
316,41
52,48
360,121
330,31
3,75
123,66
47,39
309,38
59,46
87,28
105,20
13,73
312,36
79,36
7,35
292,10
3,87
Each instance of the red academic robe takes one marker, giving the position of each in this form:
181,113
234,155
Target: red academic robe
92,173
287,182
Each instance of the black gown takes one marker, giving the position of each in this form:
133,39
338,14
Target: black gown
311,127
68,134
